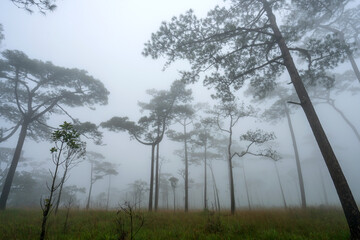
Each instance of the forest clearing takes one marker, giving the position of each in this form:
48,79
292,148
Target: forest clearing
208,119
266,224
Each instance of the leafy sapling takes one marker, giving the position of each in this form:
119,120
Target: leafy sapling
67,145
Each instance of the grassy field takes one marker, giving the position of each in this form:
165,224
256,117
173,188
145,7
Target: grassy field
296,224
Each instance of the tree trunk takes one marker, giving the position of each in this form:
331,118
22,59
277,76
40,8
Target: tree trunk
174,198
246,186
231,178
186,171
11,173
152,177
347,50
297,158
60,191
323,188
157,178
281,188
353,64
90,188
48,202
355,131
347,200
108,194
216,192
205,180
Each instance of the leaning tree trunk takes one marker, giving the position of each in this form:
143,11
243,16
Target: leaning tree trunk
348,122
60,190
152,177
11,173
347,200
216,192
246,186
281,188
347,50
90,188
297,158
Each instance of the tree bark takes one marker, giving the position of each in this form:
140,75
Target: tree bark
11,173
347,200
297,158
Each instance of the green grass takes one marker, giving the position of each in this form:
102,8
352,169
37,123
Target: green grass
296,224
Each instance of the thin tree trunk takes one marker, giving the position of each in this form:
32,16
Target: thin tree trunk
281,188
231,178
11,173
167,199
355,131
174,198
186,171
297,158
216,189
347,200
215,200
60,190
205,180
347,50
157,178
152,177
48,202
90,188
246,186
353,64
323,188
108,194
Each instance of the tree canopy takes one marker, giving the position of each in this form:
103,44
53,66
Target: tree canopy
31,90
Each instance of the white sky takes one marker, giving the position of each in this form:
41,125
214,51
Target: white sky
106,39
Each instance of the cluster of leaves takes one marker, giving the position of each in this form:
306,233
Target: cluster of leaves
41,5
68,135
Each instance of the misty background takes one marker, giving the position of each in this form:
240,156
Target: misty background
106,39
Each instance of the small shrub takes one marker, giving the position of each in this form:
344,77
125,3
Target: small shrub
128,222
213,223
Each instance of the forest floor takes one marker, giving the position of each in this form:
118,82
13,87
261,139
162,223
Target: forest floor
296,224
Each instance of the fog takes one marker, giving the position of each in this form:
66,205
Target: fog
106,39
